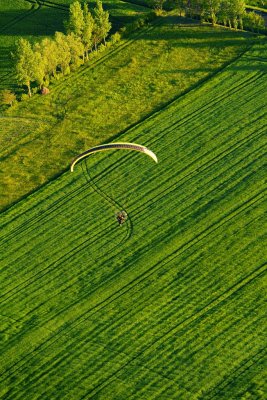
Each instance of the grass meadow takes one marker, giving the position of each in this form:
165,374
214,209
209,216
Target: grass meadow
170,305
120,88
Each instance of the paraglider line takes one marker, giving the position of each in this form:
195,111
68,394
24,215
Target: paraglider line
109,200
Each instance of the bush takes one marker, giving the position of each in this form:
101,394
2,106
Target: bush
24,97
7,97
115,38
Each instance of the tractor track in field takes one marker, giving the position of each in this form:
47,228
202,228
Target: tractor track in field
213,303
43,213
165,190
148,273
197,161
243,367
185,120
59,203
50,4
177,252
217,157
183,324
55,264
19,18
208,164
159,196
66,288
75,346
91,310
165,261
171,288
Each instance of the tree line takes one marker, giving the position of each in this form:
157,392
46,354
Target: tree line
85,32
231,13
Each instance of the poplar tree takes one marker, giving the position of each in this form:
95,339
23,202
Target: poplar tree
49,57
26,66
63,52
76,49
238,10
39,68
102,23
87,32
223,13
75,23
211,9
181,6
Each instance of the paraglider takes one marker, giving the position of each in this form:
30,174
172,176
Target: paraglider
112,146
121,216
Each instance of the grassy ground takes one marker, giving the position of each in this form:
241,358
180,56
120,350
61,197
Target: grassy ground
139,76
170,305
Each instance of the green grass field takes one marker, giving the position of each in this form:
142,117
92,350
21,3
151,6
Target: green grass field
126,84
170,305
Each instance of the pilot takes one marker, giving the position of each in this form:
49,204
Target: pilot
121,217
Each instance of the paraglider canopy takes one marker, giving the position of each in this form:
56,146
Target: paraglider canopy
112,146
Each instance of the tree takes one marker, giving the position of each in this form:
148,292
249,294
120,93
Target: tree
63,52
76,50
236,11
7,97
102,23
49,57
224,12
254,21
76,21
87,32
211,9
27,68
181,6
158,4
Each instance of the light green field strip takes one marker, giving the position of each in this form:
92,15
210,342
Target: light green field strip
170,306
